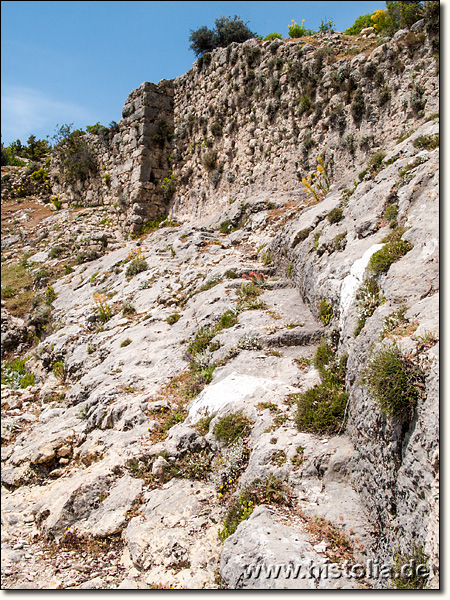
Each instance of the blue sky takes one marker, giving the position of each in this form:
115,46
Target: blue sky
76,62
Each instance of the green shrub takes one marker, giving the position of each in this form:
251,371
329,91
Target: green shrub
41,275
323,356
393,379
270,490
201,340
321,409
304,104
376,162
426,142
125,343
59,371
168,186
128,308
340,241
8,292
209,160
137,265
361,23
368,298
298,31
172,319
391,252
210,283
335,215
216,129
416,577
153,225
104,310
383,96
399,15
39,175
50,294
417,100
55,252
226,31
325,311
15,375
231,427
227,320
390,214
358,107
272,36
75,158
326,26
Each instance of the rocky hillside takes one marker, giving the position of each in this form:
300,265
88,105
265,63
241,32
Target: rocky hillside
252,381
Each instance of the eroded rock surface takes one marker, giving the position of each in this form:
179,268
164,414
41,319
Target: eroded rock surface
116,473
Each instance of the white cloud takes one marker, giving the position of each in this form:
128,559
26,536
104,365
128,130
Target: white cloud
27,111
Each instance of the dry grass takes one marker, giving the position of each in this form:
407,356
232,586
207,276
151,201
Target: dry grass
340,546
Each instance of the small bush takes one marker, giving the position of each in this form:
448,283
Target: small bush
216,129
8,292
368,298
384,96
326,26
209,160
419,573
55,252
226,31
104,310
427,142
39,175
226,226
358,107
137,265
376,162
390,214
75,158
231,427
50,294
15,375
393,379
227,320
335,215
59,371
128,308
361,23
391,252
272,36
325,311
298,31
172,319
321,409
340,241
270,490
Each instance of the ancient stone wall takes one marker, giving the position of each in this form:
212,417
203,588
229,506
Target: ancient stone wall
132,164
252,118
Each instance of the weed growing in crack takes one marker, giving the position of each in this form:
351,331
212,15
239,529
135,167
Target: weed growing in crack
231,427
321,409
394,381
269,490
368,298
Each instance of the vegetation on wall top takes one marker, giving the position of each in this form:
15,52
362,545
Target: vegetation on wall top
226,31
